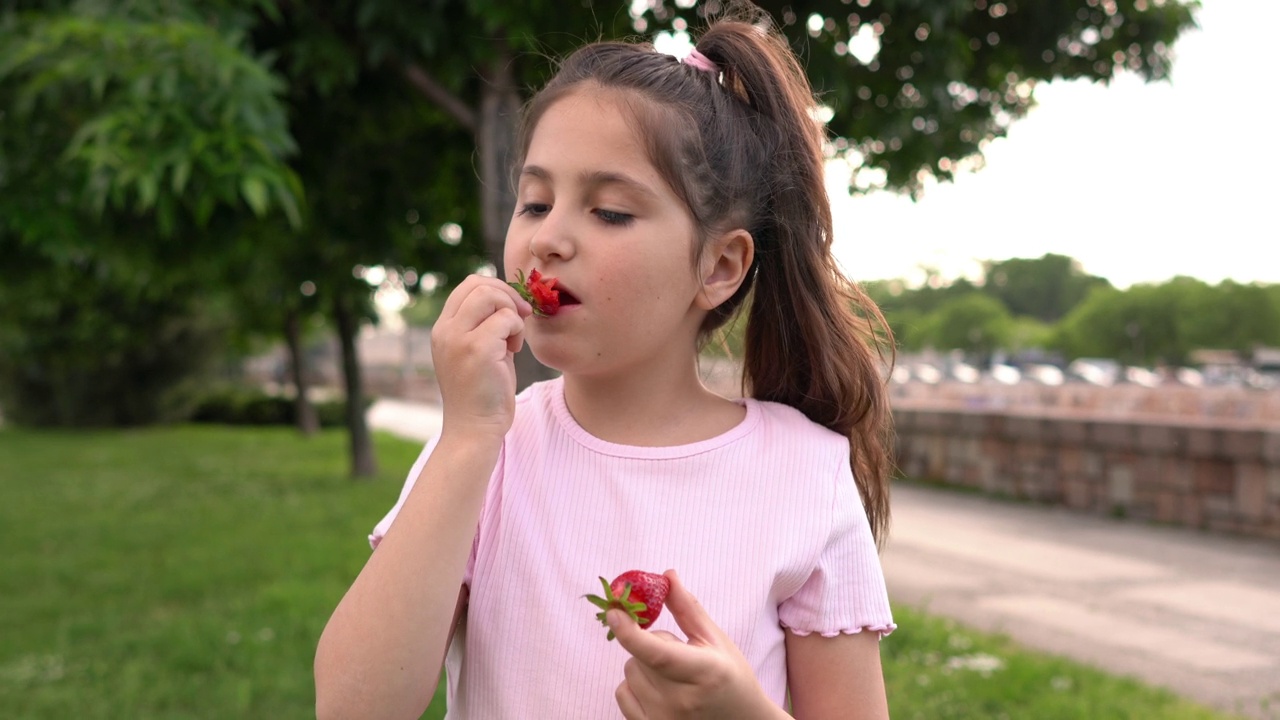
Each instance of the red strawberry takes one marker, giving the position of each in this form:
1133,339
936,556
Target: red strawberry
539,291
640,594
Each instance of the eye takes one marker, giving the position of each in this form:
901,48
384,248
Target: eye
534,209
614,218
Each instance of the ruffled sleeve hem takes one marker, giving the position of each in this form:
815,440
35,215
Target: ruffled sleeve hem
883,630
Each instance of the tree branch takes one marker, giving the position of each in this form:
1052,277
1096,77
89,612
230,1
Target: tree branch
436,93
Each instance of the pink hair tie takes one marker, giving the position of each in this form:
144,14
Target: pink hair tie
701,62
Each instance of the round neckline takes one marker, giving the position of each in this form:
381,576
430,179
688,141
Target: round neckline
646,452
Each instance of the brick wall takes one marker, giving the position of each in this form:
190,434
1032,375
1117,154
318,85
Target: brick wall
1214,473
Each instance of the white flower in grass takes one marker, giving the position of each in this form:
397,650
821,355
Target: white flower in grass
980,663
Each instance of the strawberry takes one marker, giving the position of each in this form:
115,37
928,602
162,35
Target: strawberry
540,292
640,594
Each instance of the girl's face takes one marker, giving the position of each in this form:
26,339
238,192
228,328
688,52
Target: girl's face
593,212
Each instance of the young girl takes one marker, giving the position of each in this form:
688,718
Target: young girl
664,196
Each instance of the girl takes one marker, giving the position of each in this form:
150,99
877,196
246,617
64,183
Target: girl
664,196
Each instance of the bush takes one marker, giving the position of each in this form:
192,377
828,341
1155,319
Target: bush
239,405
103,346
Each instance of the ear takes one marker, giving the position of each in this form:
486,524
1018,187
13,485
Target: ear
724,266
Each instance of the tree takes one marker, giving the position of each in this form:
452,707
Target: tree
919,87
381,178
1229,315
1045,288
1166,322
182,118
153,130
974,323
916,87
133,147
912,313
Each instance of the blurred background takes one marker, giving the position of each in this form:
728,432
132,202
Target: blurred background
226,227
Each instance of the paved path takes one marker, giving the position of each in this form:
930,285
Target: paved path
1190,611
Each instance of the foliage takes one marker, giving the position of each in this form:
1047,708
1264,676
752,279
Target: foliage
104,344
1143,324
1166,322
975,323
255,147
133,146
947,76
1045,288
236,405
144,116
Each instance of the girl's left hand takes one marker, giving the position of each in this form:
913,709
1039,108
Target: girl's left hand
706,677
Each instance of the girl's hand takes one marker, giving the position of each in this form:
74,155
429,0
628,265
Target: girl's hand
706,677
480,329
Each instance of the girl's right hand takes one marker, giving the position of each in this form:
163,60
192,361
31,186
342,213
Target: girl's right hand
473,344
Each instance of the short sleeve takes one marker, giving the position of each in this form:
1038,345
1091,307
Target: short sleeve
845,591
380,530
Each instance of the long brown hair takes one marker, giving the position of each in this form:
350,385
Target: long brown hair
742,147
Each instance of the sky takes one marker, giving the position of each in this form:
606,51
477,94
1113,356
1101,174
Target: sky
1140,182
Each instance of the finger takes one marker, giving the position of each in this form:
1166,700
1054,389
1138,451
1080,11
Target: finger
628,703
515,342
457,299
664,654
482,303
690,615
459,295
505,324
639,680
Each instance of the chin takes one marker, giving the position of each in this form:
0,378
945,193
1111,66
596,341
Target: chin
546,353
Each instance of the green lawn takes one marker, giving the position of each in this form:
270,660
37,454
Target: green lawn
187,573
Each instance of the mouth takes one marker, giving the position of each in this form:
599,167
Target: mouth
566,296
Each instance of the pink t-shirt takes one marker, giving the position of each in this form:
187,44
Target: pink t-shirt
763,523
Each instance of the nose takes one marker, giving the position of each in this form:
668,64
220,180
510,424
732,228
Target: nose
554,237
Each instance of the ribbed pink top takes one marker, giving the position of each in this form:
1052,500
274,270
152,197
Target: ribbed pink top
763,523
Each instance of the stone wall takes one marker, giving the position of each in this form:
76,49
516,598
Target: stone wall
1214,473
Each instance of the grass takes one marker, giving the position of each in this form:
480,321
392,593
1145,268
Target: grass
187,573
176,573
936,669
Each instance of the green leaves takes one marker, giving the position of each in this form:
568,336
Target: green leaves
151,115
919,87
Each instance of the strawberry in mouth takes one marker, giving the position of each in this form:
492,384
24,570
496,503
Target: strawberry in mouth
538,291
543,293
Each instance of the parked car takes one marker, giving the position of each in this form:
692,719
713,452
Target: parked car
1095,371
1045,374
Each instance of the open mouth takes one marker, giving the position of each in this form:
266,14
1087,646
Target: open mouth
566,297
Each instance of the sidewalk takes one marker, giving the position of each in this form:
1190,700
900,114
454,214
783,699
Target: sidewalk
1190,611
1193,612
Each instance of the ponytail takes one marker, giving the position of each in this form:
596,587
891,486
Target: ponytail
740,144
814,340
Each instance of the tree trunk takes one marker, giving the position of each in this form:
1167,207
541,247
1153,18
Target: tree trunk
495,139
303,411
363,462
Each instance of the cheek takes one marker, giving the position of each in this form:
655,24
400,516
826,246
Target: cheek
511,255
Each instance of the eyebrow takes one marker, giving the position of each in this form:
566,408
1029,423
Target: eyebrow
596,178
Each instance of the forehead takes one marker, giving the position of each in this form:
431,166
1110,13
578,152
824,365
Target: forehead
591,130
